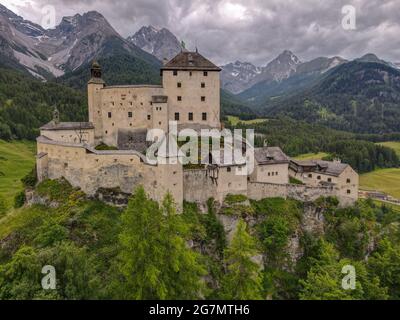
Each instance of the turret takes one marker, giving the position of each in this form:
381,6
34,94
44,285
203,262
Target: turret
95,85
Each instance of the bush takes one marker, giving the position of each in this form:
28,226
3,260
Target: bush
30,179
235,198
19,200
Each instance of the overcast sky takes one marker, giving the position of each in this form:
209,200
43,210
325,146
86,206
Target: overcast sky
248,30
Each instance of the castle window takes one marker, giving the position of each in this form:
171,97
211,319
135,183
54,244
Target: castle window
205,73
159,123
175,72
131,103
276,173
348,181
130,114
229,169
203,85
176,116
148,117
203,98
204,116
190,73
348,191
179,98
109,114
319,177
190,116
329,179
179,85
273,173
106,132
310,175
269,174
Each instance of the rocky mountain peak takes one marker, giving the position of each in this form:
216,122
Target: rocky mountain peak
159,42
282,66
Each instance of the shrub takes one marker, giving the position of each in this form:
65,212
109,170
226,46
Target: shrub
30,179
19,200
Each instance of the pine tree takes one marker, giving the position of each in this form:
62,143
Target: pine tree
142,253
182,268
155,261
243,278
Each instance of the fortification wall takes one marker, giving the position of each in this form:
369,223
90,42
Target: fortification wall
90,170
198,186
259,190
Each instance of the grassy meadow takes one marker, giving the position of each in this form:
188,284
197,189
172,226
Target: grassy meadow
385,180
312,156
16,160
235,121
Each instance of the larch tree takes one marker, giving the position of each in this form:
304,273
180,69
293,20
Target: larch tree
243,277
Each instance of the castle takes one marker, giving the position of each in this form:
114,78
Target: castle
108,152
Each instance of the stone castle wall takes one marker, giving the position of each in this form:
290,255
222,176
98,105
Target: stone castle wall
305,193
91,170
199,187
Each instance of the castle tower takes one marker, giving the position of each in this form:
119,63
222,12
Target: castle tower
95,85
192,84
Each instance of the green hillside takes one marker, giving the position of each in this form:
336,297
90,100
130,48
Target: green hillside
16,161
130,254
356,96
27,103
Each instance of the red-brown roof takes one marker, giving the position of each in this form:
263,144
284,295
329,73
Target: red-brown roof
186,60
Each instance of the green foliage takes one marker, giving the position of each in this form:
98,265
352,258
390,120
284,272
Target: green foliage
119,68
30,179
298,137
173,271
3,206
295,181
235,198
19,200
356,96
350,229
214,229
324,279
385,263
27,103
55,189
243,278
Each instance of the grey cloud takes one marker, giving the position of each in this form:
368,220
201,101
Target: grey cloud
254,30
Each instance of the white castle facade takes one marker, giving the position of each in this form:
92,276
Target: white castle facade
120,118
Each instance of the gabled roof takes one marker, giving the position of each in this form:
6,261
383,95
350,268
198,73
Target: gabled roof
186,60
270,155
67,126
333,168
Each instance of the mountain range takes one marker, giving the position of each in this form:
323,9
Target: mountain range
329,90
76,41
